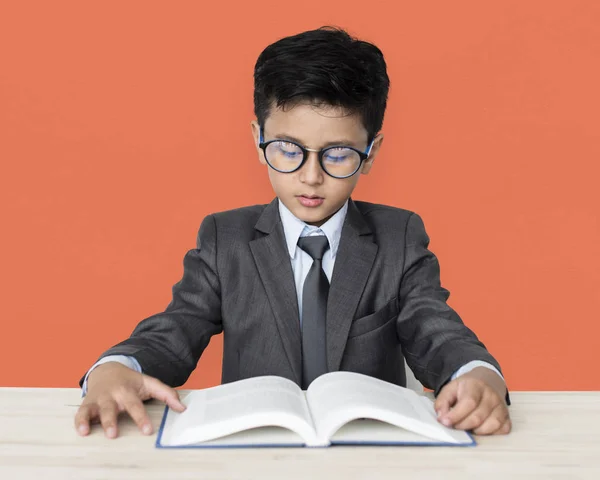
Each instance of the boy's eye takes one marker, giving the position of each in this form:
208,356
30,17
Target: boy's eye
337,155
289,149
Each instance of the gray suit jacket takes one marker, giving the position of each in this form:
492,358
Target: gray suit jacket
385,303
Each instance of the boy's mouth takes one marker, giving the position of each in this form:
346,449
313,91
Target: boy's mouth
310,200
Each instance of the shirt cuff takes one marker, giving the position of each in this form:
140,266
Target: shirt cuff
473,364
126,360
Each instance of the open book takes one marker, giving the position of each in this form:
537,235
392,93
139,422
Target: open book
339,408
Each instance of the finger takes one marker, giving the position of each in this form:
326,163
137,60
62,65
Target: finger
84,417
446,399
469,397
108,416
505,428
164,393
478,416
494,422
133,405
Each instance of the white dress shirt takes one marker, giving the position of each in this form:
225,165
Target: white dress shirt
294,228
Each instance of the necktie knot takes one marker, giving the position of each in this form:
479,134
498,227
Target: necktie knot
315,246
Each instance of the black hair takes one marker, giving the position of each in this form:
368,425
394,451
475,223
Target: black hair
325,66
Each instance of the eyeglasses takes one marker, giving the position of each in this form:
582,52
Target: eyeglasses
338,161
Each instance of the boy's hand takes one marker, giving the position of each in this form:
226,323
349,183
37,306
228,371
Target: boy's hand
114,388
475,401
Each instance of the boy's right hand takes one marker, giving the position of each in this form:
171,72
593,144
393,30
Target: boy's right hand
113,388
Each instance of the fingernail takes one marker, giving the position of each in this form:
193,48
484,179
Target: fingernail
446,421
82,429
111,432
147,429
438,413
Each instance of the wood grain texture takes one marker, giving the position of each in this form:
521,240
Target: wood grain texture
556,435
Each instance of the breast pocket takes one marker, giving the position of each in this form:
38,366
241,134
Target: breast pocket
376,320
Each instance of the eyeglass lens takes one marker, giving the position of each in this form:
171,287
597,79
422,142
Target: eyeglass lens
337,161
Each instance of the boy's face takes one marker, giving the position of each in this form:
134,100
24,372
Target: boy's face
314,127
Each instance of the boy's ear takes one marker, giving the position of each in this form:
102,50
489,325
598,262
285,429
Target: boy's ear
368,163
256,136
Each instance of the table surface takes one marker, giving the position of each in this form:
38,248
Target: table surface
556,435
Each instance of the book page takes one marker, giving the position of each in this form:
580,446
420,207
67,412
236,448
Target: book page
256,437
338,398
246,404
367,431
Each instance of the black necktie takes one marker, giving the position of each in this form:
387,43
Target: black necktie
314,311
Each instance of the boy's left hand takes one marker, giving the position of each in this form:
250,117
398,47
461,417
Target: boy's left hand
475,401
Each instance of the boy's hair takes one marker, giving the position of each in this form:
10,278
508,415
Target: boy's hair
325,66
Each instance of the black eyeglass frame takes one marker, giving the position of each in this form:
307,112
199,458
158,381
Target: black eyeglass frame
363,155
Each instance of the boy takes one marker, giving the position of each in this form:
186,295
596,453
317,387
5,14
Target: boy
314,281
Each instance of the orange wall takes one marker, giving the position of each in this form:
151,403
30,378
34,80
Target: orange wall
107,116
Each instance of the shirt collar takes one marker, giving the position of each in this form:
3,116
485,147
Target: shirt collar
294,228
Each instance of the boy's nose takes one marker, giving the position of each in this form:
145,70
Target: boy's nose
311,172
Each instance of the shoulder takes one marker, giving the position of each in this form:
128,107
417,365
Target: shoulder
383,216
238,222
385,220
243,217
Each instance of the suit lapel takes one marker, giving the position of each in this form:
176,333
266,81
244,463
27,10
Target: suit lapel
354,260
275,270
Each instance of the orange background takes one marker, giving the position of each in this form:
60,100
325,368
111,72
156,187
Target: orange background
109,111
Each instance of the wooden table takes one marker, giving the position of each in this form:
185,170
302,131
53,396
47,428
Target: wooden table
556,435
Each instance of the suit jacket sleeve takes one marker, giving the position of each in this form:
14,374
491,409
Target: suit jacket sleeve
434,339
168,345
